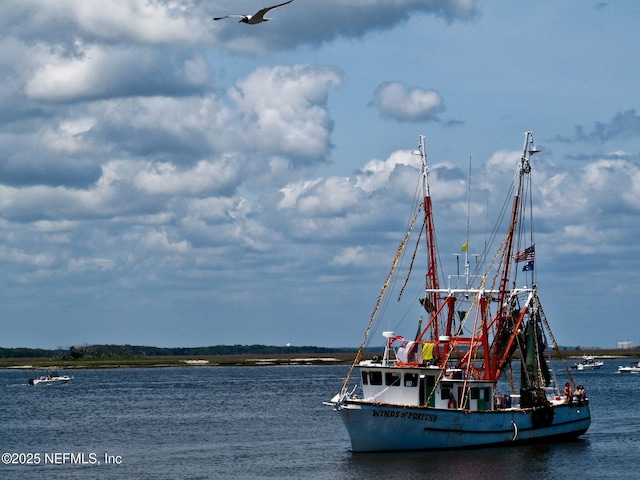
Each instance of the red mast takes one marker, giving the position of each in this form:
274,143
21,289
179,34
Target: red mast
504,315
432,282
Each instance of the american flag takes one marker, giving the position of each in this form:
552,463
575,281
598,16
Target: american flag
527,254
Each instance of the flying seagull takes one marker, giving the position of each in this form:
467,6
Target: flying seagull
259,17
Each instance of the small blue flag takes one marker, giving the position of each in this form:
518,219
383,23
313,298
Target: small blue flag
528,267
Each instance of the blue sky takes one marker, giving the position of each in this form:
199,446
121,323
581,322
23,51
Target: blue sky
169,180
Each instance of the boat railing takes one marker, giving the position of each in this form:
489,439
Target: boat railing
483,291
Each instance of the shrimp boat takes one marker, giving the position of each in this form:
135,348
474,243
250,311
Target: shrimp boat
455,384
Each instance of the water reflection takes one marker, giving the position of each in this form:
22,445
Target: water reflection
525,461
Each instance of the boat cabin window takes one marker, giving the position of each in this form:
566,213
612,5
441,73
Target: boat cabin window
445,393
375,378
392,379
410,379
365,378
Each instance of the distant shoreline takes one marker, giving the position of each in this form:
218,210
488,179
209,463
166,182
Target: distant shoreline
333,358
162,361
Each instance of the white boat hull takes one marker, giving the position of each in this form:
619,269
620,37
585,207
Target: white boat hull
588,363
587,367
375,427
49,381
628,369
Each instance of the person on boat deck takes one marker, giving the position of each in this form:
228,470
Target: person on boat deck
580,394
452,402
568,394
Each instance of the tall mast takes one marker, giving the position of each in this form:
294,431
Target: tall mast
504,313
432,282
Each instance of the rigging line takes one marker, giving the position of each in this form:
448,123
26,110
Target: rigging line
387,299
534,271
526,212
375,397
496,229
404,316
466,253
523,360
443,371
375,309
393,276
413,258
532,231
480,287
418,206
465,386
475,299
555,343
540,380
512,382
499,254
553,373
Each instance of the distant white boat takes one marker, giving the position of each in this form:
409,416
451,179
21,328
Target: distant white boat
50,378
588,363
629,368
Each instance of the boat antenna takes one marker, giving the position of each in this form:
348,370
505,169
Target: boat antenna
466,243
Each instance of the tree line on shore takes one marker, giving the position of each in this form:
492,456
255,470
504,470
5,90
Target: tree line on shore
129,351
88,352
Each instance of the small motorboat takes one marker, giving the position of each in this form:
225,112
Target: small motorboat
633,368
588,363
50,378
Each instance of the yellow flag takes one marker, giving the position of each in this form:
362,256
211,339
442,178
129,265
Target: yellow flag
465,247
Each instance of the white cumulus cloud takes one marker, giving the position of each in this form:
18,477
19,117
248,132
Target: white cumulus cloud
396,100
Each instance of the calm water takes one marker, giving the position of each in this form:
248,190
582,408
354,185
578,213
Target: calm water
269,422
